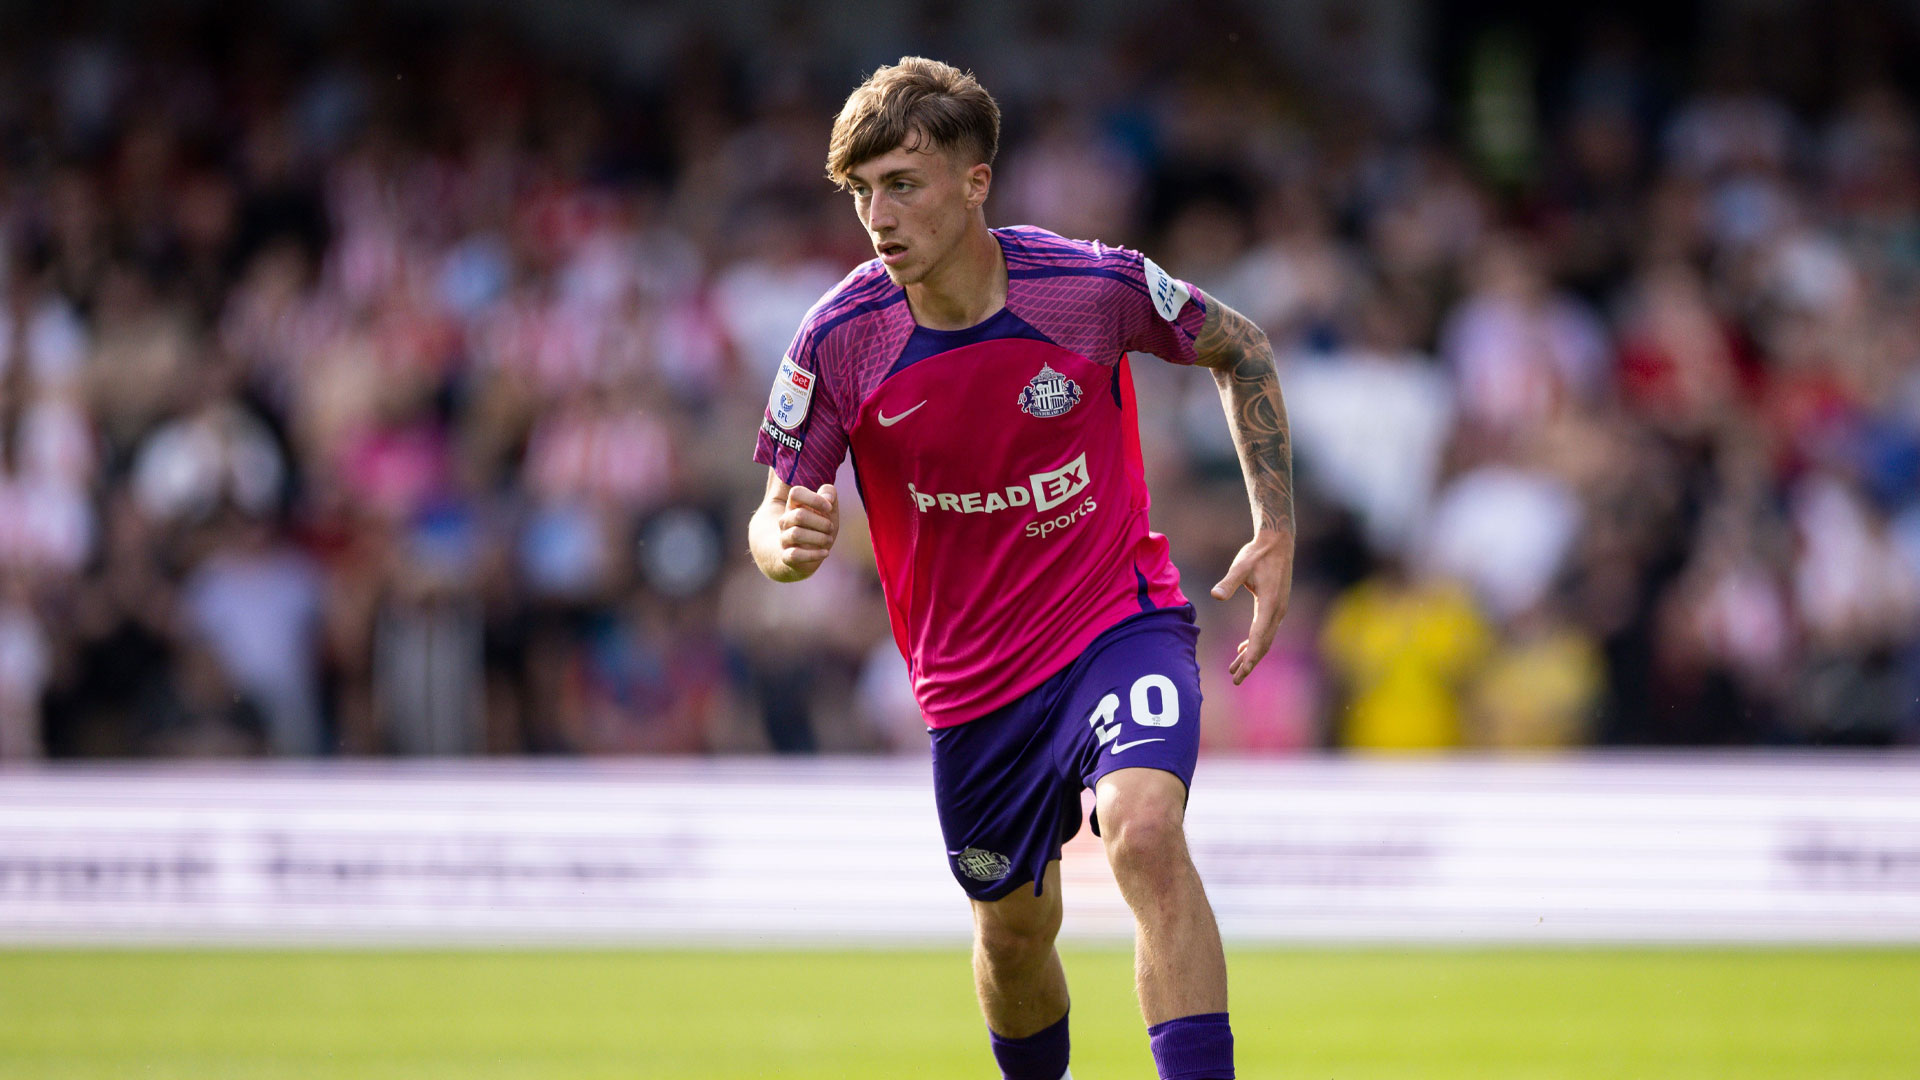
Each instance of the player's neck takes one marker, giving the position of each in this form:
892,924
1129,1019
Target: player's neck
967,287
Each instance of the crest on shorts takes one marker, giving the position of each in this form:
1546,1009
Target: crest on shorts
1049,394
982,865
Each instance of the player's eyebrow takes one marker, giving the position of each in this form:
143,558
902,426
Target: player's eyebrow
912,172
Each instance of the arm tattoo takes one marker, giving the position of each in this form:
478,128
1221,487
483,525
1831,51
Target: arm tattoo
1242,363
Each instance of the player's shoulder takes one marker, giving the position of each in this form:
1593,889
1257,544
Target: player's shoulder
865,292
1031,246
1101,274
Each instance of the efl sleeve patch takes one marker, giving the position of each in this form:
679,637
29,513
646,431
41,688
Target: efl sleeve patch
1169,293
792,393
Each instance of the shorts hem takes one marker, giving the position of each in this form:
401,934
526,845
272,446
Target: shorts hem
1000,890
1093,815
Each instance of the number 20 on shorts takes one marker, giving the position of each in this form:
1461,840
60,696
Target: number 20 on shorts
1140,699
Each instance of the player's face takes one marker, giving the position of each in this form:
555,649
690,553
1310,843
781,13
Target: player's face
915,206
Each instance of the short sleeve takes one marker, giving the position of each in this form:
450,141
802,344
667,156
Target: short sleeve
802,437
1157,312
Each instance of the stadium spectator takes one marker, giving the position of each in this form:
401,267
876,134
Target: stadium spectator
1404,651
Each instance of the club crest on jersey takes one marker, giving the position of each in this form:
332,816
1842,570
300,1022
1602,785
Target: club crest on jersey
1049,394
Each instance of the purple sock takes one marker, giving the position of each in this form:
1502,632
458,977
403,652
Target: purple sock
1193,1047
1040,1056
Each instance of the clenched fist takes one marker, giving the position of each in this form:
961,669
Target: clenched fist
794,529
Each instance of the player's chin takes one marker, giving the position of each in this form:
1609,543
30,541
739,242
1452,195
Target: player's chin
904,274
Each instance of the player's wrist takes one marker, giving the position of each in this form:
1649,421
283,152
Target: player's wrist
1273,532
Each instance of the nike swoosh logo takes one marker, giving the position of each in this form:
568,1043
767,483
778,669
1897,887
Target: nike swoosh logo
889,421
1119,746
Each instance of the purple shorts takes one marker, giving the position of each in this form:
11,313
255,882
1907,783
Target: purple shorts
1008,784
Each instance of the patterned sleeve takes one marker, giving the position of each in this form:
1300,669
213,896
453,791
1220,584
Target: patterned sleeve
1157,312
802,437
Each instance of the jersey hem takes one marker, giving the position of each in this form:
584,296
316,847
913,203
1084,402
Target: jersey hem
1024,687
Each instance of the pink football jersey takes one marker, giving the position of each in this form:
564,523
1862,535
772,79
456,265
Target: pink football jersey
1000,465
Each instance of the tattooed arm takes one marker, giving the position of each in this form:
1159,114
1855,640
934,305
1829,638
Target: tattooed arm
1242,363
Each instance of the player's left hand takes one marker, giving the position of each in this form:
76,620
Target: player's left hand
1265,567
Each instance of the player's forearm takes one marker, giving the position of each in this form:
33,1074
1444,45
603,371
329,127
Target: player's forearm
1242,361
1257,416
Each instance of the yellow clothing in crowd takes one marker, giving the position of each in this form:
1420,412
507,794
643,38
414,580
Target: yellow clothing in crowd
1540,692
1404,652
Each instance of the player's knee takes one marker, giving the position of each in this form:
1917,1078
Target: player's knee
1145,835
1018,937
1014,946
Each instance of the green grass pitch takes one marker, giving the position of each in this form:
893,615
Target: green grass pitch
1380,1014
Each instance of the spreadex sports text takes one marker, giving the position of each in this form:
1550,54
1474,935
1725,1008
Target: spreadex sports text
1043,492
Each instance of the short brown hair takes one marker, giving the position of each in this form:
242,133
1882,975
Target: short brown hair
913,102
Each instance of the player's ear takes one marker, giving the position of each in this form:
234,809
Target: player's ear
979,180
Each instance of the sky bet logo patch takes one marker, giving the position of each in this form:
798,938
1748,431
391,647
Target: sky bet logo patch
792,393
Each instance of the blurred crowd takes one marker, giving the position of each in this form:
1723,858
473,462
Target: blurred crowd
389,386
